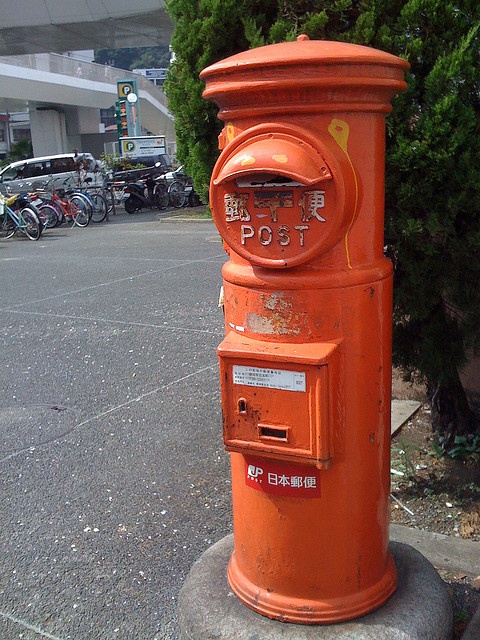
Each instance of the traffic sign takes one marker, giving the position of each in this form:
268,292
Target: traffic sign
126,87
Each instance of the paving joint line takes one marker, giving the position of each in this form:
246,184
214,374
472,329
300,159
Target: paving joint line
130,323
102,414
105,284
29,626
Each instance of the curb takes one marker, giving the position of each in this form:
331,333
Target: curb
447,552
179,219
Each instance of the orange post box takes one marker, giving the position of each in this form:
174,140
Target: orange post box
298,197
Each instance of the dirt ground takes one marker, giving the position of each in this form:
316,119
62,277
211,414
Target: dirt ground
436,493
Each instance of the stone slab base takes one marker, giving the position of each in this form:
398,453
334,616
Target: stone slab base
420,609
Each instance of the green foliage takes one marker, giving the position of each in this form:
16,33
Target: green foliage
464,447
20,151
205,31
432,200
135,57
120,163
109,160
152,58
402,455
432,228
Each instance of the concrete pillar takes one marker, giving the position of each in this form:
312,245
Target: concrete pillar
81,120
48,130
60,131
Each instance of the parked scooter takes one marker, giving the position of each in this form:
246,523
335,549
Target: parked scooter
140,195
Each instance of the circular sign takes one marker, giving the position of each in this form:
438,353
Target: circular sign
124,89
277,199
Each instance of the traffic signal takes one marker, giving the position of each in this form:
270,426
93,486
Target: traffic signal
121,118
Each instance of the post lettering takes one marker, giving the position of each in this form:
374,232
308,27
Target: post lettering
265,235
246,231
283,237
301,228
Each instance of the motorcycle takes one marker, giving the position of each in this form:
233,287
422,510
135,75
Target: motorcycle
140,195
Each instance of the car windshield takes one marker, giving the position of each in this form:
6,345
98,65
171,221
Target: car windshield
11,173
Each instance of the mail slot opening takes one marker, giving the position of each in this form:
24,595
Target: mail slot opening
266,180
279,433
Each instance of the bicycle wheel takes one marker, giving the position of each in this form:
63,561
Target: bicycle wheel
81,211
59,211
176,194
85,197
100,207
110,198
160,193
48,216
30,223
119,194
10,227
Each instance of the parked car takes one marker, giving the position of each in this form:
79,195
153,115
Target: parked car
156,165
25,175
161,161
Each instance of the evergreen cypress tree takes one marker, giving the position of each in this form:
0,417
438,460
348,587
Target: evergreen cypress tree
433,164
432,195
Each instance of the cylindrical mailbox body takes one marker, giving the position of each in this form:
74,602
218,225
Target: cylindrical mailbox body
297,195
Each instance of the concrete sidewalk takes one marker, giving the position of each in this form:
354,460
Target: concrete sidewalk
402,410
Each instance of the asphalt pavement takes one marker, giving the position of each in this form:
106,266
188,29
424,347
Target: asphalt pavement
113,475
112,471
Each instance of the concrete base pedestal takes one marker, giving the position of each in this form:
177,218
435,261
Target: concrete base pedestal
420,609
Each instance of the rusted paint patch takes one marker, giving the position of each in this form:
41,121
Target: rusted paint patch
262,325
279,317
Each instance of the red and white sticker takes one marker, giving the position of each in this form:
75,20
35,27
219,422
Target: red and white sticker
282,479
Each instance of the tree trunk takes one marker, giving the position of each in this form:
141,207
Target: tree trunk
451,413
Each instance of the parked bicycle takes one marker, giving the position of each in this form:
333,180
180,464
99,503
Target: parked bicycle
160,193
114,193
16,216
68,207
49,216
111,196
180,189
94,198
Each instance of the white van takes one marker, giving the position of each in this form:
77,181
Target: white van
65,169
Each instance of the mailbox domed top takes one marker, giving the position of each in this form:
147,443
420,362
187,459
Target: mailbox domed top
302,51
313,72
